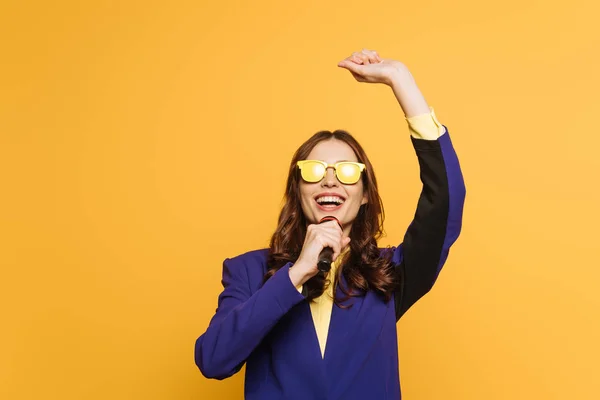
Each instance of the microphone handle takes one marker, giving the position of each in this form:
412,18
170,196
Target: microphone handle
324,264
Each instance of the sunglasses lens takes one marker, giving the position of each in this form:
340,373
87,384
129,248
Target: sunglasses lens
348,173
313,171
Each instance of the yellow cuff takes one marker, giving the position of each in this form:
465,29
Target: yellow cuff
425,126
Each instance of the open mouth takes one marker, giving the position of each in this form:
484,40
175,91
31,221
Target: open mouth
329,203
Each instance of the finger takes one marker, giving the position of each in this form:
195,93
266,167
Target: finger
329,225
327,239
337,250
333,222
362,58
352,58
334,228
372,56
333,244
376,55
331,234
356,59
351,66
343,243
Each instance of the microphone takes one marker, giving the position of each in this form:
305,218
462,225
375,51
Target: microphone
324,264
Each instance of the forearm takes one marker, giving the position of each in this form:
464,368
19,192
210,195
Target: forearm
242,320
407,93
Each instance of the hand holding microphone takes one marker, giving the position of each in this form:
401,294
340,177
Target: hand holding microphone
326,255
322,245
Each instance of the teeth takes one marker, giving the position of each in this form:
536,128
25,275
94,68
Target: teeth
325,199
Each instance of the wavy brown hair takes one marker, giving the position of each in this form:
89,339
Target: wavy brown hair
363,266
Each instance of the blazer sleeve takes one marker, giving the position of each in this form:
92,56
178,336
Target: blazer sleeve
436,224
242,318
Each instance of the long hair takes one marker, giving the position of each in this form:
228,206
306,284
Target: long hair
363,267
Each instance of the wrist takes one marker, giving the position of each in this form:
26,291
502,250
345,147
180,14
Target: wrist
408,94
400,77
297,275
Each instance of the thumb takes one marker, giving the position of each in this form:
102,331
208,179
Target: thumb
346,241
351,66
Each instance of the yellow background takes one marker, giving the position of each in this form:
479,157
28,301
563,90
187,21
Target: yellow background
143,142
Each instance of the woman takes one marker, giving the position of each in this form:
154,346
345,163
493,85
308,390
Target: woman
278,312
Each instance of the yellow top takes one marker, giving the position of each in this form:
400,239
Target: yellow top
424,126
321,307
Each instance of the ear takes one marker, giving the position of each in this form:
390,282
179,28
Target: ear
364,200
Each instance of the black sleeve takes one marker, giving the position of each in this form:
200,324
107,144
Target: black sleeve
436,224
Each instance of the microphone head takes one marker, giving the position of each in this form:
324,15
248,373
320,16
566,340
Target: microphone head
330,218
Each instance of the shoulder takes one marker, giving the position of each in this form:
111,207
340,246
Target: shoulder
249,257
251,264
393,252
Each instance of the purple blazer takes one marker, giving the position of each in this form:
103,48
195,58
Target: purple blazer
269,326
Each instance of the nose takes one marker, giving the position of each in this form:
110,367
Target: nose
330,179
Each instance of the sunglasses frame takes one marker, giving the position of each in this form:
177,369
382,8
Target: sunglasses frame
361,167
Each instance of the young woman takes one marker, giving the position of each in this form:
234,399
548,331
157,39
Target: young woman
309,334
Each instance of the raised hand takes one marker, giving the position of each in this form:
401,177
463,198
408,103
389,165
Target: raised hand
368,66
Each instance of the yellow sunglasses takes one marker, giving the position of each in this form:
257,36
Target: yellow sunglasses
347,172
